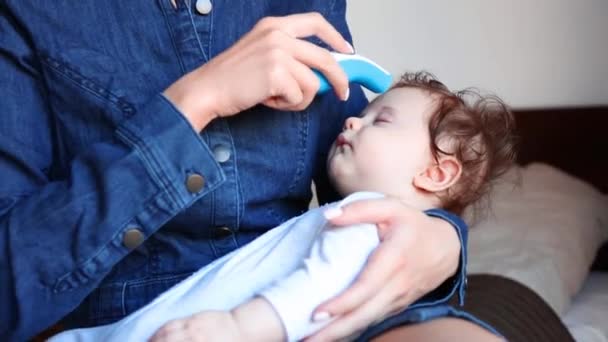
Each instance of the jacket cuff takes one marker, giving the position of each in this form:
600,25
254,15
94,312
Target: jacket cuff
172,152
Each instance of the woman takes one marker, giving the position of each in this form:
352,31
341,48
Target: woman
132,152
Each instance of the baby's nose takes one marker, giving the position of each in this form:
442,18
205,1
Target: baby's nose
353,123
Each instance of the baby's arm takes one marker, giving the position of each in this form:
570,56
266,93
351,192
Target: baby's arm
283,311
254,320
336,259
257,321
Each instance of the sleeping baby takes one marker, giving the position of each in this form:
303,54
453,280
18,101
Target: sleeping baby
418,142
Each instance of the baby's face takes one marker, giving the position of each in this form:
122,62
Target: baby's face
384,148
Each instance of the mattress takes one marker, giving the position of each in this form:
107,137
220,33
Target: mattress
587,317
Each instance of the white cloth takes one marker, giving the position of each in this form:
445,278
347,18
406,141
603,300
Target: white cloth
586,318
295,266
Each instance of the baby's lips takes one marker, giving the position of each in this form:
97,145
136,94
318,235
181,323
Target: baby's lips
341,140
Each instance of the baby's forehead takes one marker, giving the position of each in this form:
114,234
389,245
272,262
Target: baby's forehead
407,93
403,99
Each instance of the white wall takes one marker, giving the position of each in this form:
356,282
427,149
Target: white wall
534,53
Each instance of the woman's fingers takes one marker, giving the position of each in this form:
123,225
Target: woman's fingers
308,54
416,254
306,25
320,59
284,90
269,65
306,83
356,320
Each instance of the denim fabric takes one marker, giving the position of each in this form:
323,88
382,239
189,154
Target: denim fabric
90,149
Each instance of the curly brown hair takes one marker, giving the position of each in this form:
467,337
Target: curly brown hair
479,131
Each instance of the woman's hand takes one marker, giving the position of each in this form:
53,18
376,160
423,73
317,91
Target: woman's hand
417,253
268,65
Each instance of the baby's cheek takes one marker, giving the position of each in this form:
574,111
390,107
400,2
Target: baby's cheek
372,167
377,157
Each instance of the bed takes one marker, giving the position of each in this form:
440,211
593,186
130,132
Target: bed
547,225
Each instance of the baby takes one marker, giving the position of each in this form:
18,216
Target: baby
418,142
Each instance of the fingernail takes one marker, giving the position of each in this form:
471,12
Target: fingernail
352,49
346,95
332,212
321,316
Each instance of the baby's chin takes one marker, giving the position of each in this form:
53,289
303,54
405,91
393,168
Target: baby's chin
344,184
338,182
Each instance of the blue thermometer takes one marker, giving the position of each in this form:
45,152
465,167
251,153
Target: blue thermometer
359,70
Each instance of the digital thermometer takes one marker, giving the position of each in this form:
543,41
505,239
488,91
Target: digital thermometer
359,70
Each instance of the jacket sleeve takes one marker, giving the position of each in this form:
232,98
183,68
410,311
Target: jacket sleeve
59,237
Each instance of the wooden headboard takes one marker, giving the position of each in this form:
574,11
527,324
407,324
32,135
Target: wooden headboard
573,139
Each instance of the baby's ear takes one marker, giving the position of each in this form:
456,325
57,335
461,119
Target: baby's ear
440,175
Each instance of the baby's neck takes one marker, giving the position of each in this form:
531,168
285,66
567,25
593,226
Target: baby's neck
414,199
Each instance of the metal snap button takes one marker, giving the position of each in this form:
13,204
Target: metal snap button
221,153
195,183
203,6
133,238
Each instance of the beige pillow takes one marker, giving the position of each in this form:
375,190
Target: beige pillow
544,233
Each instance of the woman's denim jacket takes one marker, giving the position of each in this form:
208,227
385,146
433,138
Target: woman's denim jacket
107,195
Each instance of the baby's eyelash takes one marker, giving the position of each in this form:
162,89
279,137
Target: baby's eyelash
376,120
383,117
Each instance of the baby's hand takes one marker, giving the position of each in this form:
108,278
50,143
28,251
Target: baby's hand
202,327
